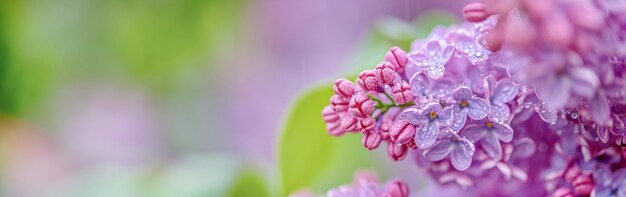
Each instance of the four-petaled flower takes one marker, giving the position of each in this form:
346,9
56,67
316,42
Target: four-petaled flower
490,133
437,54
467,104
461,150
428,120
498,95
465,44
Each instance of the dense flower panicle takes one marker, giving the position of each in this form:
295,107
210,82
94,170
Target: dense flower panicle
364,184
530,95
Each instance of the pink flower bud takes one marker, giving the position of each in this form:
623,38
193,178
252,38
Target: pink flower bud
338,103
397,152
397,57
366,125
371,140
583,185
333,123
571,173
475,12
361,105
348,122
367,81
397,188
402,93
562,192
385,73
384,129
402,132
344,88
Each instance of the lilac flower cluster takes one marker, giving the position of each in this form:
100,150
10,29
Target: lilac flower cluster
529,96
364,184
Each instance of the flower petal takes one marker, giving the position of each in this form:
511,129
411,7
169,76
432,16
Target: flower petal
413,116
420,85
491,145
554,91
439,151
519,173
477,108
418,59
458,118
432,107
461,157
435,70
433,48
603,134
445,116
546,113
584,80
504,92
499,113
443,89
464,43
427,134
503,132
474,132
599,108
505,169
462,93
447,53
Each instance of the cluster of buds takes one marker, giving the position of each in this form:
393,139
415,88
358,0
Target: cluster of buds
364,184
371,106
529,95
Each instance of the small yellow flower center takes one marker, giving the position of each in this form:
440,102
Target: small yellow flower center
464,103
433,115
489,124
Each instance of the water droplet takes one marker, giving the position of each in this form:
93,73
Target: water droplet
574,115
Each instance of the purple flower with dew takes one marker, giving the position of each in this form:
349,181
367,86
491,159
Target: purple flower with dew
434,58
465,44
428,120
426,90
461,150
498,95
490,133
467,104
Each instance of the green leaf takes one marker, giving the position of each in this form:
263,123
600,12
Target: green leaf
249,183
305,148
309,158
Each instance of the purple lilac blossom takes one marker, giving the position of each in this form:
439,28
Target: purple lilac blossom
542,82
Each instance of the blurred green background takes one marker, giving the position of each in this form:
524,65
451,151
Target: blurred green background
188,97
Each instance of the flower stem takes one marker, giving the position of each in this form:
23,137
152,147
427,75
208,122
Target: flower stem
384,106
